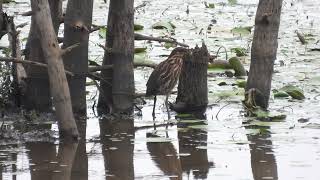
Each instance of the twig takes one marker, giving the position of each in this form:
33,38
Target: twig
22,25
150,38
154,126
143,64
94,76
15,60
221,109
68,49
225,49
109,50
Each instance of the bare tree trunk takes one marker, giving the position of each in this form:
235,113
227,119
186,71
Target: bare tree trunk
264,49
18,72
118,94
77,23
192,88
37,93
57,78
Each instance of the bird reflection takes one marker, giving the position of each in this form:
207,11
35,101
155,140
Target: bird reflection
166,158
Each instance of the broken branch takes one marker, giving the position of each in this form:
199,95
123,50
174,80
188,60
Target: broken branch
15,60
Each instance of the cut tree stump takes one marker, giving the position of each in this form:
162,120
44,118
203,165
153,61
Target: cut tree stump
192,88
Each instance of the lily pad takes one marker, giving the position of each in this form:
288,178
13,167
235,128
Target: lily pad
164,25
138,27
239,51
103,32
168,45
241,83
280,94
209,5
293,91
242,31
232,2
184,115
140,49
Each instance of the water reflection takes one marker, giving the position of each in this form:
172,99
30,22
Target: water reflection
193,144
166,158
117,148
263,162
44,164
80,164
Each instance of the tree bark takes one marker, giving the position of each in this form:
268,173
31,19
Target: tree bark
37,93
264,49
18,72
77,22
117,96
192,88
57,78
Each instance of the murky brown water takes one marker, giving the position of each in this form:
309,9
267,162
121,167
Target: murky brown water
224,144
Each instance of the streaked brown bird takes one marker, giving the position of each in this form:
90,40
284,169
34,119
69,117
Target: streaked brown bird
165,76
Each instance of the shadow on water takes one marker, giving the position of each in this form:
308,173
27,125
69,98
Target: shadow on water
117,148
263,162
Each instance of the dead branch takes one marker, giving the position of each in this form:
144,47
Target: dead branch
144,37
145,64
109,50
28,13
107,67
68,49
96,76
150,38
15,60
22,25
154,126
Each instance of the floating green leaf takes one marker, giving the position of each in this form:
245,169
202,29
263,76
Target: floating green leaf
140,49
184,116
293,91
242,31
138,27
168,45
232,2
164,25
241,83
239,51
280,94
209,5
103,32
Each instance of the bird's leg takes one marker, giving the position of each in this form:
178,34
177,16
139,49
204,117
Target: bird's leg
154,106
167,106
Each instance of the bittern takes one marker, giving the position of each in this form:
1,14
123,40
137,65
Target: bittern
165,76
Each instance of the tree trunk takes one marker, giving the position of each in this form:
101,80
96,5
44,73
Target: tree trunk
18,72
117,95
77,23
264,49
37,93
192,88
57,78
